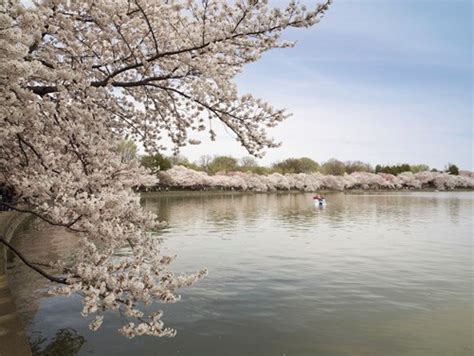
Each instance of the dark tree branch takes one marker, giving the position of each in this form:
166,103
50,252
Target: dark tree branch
149,26
21,139
45,89
69,225
42,89
45,274
23,151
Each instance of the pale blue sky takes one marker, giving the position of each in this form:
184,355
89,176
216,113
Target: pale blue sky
381,81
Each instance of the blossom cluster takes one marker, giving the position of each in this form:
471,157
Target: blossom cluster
182,177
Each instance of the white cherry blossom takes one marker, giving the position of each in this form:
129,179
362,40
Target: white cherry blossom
77,77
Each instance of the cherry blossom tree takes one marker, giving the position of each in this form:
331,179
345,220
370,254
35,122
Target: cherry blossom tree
77,78
182,177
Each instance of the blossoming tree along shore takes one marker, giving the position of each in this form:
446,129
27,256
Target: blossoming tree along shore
180,177
79,76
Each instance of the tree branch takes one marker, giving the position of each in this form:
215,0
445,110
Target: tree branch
43,218
45,274
43,90
149,26
46,89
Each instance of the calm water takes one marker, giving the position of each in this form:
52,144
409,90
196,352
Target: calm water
371,274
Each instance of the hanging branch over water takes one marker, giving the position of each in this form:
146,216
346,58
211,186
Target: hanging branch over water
31,265
77,77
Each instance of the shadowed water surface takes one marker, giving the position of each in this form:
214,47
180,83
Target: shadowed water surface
371,274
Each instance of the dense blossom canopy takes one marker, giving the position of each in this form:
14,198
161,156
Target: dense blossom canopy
77,77
182,177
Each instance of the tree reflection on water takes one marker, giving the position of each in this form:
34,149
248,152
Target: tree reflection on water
66,342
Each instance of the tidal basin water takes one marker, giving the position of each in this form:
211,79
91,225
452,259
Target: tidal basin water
370,274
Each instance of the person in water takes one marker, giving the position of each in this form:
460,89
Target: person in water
318,197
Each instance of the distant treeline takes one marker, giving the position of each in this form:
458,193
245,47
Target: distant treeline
183,178
224,164
216,164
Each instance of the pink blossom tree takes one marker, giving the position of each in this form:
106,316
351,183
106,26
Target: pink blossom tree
77,77
182,177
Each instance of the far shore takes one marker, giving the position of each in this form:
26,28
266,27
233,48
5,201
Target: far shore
195,192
